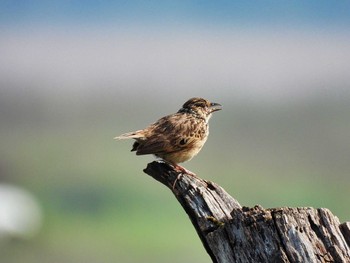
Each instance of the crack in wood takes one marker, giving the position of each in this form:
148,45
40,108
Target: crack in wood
231,233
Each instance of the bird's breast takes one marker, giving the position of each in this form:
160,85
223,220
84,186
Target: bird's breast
186,154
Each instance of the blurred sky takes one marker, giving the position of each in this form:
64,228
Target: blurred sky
326,14
247,49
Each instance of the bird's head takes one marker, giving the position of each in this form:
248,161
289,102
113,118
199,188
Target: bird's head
201,108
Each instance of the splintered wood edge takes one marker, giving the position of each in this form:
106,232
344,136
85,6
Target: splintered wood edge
212,210
345,229
189,189
207,204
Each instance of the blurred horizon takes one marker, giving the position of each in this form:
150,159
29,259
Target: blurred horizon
75,74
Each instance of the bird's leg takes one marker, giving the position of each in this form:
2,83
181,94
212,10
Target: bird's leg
178,168
181,170
177,178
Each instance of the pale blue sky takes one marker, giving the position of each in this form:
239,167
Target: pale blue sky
275,49
323,14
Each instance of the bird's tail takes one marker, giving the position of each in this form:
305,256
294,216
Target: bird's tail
130,135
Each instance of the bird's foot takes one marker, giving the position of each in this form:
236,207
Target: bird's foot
181,170
177,178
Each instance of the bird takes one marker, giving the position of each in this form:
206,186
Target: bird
178,137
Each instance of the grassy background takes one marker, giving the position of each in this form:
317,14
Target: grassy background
98,205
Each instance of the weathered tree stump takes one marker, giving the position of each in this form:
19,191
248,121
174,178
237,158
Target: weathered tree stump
231,233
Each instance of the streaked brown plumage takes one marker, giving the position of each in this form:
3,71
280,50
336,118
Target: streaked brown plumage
178,137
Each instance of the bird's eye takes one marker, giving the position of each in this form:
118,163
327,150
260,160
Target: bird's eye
183,141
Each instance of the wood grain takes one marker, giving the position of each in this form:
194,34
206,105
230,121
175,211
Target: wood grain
231,233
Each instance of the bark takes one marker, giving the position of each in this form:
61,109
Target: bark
232,233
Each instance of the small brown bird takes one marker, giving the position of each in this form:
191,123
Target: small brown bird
178,137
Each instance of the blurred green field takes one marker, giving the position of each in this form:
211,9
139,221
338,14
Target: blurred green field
98,205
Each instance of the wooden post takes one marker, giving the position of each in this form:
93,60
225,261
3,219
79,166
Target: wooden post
232,233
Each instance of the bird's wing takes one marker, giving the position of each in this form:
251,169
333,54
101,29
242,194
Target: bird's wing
168,135
130,135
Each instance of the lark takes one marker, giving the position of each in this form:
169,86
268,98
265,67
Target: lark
178,137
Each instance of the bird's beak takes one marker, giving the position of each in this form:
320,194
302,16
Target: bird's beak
215,107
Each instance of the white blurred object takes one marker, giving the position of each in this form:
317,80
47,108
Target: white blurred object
20,214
